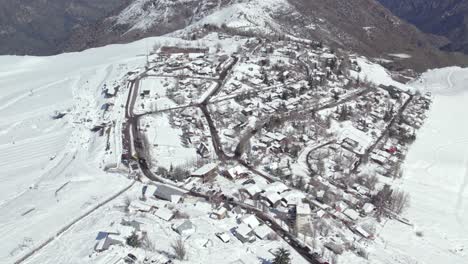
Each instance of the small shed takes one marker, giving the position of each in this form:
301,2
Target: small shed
185,228
223,237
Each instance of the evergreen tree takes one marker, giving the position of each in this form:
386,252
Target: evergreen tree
133,240
282,256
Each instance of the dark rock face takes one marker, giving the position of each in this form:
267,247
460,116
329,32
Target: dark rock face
367,27
447,18
40,26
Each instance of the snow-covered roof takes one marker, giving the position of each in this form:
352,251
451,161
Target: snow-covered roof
224,237
238,170
293,197
166,192
251,221
205,169
321,213
352,214
164,214
140,206
275,136
320,205
341,205
262,231
221,211
184,228
277,187
125,231
252,189
103,244
272,196
362,232
244,230
368,208
303,209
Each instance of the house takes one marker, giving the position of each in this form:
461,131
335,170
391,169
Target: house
335,248
320,205
203,150
321,213
185,228
104,241
139,206
251,221
350,144
362,232
231,133
221,213
341,206
303,209
237,210
252,190
238,172
352,214
262,232
206,172
244,233
165,214
281,139
166,192
381,160
273,198
368,208
223,237
277,187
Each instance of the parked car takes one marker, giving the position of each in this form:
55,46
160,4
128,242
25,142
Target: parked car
130,258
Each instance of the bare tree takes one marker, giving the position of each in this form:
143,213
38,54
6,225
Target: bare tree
399,202
126,204
147,244
334,259
179,249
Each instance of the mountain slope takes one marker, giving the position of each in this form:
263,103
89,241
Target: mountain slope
142,18
39,27
373,30
447,18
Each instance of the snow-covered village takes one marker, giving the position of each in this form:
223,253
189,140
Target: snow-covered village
267,144
221,144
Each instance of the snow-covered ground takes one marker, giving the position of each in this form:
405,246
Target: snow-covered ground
51,171
166,141
436,177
